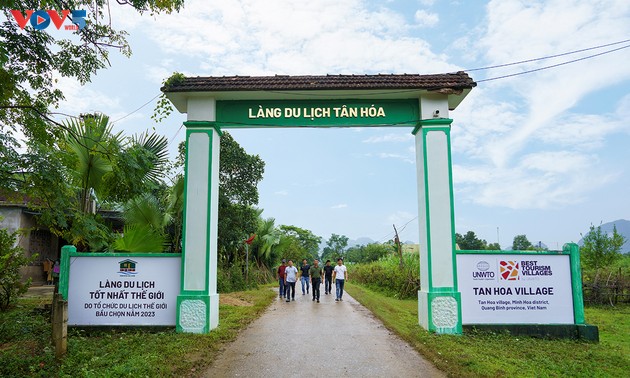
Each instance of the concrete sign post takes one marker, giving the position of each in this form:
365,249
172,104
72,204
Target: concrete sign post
439,303
198,302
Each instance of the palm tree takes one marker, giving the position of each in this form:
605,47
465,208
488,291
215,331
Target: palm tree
93,145
267,238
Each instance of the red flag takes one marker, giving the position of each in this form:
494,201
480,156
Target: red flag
251,239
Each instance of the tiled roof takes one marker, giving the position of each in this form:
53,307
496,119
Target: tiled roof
450,81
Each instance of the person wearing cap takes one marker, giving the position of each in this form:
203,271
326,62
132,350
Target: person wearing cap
328,271
340,275
290,277
316,278
281,285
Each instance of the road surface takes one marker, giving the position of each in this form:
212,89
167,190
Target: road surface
308,339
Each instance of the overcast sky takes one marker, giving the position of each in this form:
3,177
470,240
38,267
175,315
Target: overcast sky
543,154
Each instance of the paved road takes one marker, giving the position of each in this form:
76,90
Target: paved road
309,339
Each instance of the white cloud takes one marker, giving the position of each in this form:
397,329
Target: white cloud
339,206
406,158
285,37
518,30
389,138
426,19
522,143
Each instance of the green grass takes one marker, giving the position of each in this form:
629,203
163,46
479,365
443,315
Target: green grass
26,348
501,355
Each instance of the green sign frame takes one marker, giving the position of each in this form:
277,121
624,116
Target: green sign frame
316,113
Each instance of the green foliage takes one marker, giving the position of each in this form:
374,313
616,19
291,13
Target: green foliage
92,146
231,279
139,238
27,351
367,253
239,175
11,260
335,247
304,245
31,60
386,276
600,250
521,243
470,241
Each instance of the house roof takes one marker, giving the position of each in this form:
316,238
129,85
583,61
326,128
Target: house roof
434,82
284,87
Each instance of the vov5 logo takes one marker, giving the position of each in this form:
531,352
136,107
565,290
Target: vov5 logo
41,19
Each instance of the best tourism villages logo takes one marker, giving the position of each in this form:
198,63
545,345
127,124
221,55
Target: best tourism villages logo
511,270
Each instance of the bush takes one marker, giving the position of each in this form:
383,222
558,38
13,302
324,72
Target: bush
387,277
233,278
11,260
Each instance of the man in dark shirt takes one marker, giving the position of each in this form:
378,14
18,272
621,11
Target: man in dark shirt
304,278
316,278
328,271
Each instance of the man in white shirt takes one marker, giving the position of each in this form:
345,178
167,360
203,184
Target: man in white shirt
290,277
340,275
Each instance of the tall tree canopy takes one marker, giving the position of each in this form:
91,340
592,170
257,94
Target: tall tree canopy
335,247
32,60
521,243
470,241
600,249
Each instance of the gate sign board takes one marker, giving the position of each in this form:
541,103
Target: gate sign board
123,289
515,288
317,113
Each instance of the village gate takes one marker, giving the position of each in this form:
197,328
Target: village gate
420,102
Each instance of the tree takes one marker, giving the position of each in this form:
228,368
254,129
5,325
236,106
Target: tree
494,247
12,259
521,243
470,241
239,175
88,167
599,249
31,60
367,253
335,247
307,242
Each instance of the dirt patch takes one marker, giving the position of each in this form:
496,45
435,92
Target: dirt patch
233,300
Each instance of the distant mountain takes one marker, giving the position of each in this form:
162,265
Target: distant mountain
623,228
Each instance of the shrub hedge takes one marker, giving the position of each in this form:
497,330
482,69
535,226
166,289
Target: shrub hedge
386,275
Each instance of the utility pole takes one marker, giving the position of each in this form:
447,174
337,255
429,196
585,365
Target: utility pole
398,247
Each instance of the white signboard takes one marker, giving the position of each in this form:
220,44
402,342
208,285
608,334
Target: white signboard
123,290
515,289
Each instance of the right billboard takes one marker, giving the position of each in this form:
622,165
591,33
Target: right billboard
515,288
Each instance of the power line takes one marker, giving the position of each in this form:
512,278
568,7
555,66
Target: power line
554,65
547,57
143,105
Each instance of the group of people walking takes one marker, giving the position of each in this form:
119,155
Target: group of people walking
311,277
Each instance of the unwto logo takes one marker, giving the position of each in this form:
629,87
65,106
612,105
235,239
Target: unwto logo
509,270
41,19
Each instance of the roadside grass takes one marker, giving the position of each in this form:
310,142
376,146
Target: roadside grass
26,349
502,355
